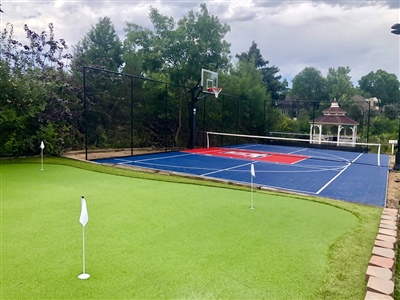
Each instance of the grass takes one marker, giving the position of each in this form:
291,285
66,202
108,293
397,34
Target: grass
156,236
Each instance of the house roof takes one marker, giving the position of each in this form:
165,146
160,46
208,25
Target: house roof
361,101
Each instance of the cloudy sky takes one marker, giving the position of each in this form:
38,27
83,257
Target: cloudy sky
292,35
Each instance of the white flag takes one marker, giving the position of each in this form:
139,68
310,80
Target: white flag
84,218
42,145
253,173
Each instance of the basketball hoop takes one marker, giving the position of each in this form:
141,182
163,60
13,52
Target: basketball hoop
215,90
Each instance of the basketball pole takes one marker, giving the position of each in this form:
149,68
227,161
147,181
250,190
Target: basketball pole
192,113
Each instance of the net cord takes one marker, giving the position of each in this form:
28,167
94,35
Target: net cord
208,133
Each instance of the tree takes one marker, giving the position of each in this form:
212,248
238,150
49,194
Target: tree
339,85
22,101
254,55
277,88
382,124
390,112
43,50
100,47
382,85
180,49
245,82
309,84
33,105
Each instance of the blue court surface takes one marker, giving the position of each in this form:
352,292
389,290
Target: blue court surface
350,176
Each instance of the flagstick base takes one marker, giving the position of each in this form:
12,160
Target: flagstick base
84,276
252,207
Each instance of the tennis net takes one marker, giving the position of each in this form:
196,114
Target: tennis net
344,151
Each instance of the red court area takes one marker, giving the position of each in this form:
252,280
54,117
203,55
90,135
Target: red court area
281,158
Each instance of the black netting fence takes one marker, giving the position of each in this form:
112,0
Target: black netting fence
123,111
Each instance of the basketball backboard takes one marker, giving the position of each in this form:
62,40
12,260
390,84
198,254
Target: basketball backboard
209,80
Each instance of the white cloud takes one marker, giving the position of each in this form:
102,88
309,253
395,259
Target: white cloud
290,34
319,35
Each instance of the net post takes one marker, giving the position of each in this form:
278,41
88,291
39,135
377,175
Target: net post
379,155
208,140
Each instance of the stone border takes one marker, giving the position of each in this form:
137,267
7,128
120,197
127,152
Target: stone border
381,267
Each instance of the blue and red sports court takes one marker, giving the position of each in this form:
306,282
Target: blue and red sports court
341,175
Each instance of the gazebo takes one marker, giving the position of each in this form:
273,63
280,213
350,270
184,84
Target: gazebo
333,116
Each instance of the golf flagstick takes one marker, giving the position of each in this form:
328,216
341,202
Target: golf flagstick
83,219
253,174
41,154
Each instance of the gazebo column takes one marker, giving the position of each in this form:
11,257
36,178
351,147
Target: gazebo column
340,127
320,133
354,137
311,133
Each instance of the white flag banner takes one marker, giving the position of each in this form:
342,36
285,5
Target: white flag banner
253,173
42,145
84,218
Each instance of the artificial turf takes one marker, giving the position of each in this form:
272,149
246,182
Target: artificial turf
156,239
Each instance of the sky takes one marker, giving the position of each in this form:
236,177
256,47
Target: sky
291,35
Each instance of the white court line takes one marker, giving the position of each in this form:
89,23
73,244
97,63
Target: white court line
123,161
227,169
304,149
313,168
214,170
154,166
156,158
323,154
337,175
340,158
273,187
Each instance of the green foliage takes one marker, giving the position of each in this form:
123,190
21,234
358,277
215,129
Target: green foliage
287,124
39,100
175,52
382,85
100,47
339,85
309,84
354,112
272,81
36,99
246,82
390,111
382,124
304,121
22,101
180,49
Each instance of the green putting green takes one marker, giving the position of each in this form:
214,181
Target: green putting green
155,239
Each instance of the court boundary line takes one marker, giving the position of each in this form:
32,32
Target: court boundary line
334,178
303,168
228,169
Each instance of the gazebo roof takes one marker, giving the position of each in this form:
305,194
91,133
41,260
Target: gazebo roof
334,109
334,115
335,120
